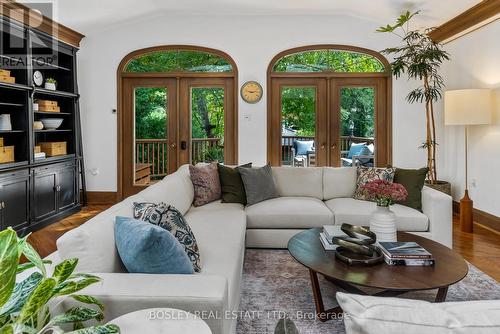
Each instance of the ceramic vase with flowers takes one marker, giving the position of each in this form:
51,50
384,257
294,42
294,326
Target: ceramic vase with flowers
383,219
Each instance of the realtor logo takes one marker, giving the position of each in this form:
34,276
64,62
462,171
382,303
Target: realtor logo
13,38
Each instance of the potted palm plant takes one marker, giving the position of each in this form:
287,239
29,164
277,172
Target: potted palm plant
27,305
420,58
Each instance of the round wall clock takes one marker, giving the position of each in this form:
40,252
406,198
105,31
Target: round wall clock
251,92
38,78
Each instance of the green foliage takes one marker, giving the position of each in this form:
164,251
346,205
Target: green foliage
151,113
178,61
51,80
420,58
24,305
328,60
298,109
207,106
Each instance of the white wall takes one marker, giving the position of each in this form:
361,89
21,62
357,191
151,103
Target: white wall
252,41
475,64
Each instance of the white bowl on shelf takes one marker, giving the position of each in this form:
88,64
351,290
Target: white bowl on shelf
51,123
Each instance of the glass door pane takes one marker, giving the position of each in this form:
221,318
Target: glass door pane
207,124
357,126
151,156
298,126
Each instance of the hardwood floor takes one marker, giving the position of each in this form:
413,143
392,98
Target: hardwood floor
481,248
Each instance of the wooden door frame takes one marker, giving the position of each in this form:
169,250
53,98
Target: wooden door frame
121,74
382,142
321,112
185,127
329,76
129,86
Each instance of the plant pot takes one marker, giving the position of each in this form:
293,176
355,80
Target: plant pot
383,224
51,86
442,186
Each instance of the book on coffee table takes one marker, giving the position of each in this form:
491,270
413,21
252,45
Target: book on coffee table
408,262
327,245
404,251
331,231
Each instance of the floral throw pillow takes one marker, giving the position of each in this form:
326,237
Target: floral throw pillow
168,217
368,174
206,183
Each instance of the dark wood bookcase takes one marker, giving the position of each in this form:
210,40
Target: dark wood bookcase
37,192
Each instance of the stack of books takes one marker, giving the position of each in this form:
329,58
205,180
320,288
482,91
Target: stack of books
326,236
405,254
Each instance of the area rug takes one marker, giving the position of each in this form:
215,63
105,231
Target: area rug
274,284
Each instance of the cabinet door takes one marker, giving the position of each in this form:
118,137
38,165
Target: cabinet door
66,181
44,193
14,200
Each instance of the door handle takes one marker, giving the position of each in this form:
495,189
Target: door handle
334,147
173,145
183,145
322,146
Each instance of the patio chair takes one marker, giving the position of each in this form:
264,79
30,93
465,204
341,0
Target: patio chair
359,154
299,152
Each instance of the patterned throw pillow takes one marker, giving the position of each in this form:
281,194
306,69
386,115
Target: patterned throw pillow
169,218
206,183
368,174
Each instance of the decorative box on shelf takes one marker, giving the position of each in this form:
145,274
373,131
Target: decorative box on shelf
37,149
48,106
1,141
55,148
6,154
5,77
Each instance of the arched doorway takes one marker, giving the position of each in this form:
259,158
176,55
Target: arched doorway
329,105
176,105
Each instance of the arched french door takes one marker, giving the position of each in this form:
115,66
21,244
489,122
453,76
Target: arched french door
176,105
329,105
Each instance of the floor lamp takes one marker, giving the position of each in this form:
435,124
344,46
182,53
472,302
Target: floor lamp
467,107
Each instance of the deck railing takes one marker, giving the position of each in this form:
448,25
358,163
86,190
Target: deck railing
155,151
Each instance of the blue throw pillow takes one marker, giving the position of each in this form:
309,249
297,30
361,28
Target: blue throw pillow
149,249
302,147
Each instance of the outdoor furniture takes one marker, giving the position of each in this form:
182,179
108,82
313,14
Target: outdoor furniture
300,151
142,174
359,154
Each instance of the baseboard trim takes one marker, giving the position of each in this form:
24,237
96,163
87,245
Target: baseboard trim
486,219
101,197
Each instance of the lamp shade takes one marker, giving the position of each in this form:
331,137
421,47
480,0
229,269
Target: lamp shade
468,107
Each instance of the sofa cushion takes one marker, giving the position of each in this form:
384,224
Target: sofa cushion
93,243
289,212
221,240
413,180
303,146
168,217
338,182
368,174
149,249
374,315
300,182
259,184
206,183
358,212
233,190
175,189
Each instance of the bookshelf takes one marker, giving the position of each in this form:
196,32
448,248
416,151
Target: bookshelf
35,192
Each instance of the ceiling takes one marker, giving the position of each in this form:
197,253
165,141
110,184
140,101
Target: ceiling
84,15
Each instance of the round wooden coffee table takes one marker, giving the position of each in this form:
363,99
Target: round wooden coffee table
307,249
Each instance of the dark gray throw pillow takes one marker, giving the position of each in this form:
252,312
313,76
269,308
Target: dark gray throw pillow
259,184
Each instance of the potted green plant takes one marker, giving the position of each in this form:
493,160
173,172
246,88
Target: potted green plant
420,58
51,84
27,306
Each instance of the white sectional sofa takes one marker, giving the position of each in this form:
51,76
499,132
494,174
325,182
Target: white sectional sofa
310,197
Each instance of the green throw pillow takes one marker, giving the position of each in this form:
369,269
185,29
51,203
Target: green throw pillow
233,190
413,180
